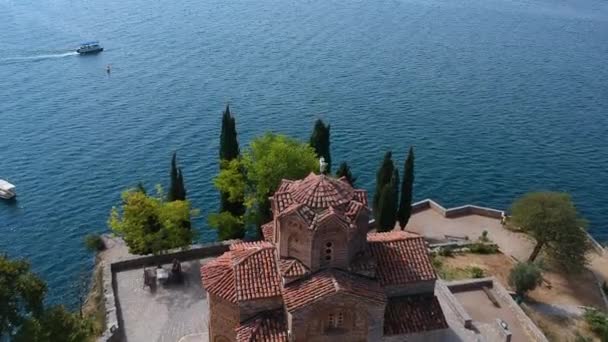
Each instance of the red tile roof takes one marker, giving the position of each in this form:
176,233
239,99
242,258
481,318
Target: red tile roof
244,273
250,244
292,268
321,191
401,257
268,326
413,314
327,283
268,231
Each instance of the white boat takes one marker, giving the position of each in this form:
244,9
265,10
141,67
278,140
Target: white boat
7,190
89,47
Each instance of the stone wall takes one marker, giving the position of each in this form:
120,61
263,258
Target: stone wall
457,211
505,298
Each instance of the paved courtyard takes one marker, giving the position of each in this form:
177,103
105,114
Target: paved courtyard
167,314
433,225
482,310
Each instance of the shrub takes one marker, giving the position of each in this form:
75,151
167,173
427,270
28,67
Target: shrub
581,338
446,252
597,321
94,243
484,236
477,272
525,277
482,248
227,225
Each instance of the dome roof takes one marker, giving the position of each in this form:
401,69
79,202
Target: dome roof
321,191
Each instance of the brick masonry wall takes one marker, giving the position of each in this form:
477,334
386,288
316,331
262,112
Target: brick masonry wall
223,319
362,320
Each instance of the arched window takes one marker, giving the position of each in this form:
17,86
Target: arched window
335,320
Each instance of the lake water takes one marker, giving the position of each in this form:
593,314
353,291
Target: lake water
499,97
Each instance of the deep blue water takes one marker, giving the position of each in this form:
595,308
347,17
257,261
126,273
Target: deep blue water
499,97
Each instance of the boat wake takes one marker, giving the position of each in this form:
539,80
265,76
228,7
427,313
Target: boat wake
37,57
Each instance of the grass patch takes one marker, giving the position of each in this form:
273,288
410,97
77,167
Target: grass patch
448,273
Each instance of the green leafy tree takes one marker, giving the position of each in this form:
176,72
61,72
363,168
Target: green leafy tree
21,294
256,175
150,225
344,171
229,150
228,225
405,204
22,313
387,209
525,277
177,191
383,177
552,219
55,325
320,141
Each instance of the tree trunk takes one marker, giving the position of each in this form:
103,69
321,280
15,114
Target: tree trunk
536,251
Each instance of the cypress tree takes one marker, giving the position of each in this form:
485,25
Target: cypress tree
177,191
405,205
182,187
344,171
229,145
319,140
387,207
229,150
383,177
140,187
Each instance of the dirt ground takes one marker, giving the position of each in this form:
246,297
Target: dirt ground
559,329
577,289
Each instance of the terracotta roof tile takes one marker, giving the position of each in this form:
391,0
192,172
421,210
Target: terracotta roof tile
285,185
292,268
257,276
282,200
413,314
268,231
353,209
327,283
268,326
401,257
361,196
320,191
250,244
244,273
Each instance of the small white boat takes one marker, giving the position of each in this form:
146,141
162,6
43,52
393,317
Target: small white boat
7,190
89,47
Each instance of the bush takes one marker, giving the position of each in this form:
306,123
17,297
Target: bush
227,225
581,338
477,272
484,236
482,248
525,277
598,322
94,243
446,252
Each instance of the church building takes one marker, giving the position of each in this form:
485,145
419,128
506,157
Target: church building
321,274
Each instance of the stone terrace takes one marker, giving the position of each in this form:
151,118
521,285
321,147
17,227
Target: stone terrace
167,313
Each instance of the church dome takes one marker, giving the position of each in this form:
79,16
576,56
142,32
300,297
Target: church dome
321,191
